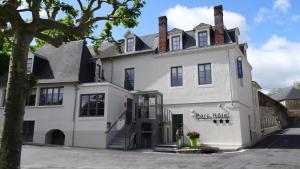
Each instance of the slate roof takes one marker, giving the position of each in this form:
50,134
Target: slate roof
58,65
64,61
287,94
149,43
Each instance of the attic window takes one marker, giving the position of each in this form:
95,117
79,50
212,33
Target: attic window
130,44
176,43
202,37
29,65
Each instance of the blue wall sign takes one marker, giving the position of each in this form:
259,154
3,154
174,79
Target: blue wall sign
240,67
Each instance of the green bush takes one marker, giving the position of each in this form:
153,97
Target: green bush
193,134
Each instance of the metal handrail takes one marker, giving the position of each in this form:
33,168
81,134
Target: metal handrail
119,118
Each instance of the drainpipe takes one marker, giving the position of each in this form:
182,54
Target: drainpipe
74,114
230,74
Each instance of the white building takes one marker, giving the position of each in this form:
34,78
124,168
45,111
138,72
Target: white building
198,80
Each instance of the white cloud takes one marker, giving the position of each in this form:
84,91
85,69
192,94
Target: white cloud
262,15
177,17
282,5
296,18
276,64
277,14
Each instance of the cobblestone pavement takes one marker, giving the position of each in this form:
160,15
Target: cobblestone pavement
279,151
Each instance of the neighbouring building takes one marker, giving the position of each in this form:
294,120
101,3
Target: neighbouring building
198,80
290,98
273,115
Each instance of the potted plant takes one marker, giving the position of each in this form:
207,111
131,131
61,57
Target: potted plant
193,138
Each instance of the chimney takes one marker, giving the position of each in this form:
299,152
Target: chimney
163,34
219,25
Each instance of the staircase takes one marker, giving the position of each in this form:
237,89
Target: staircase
125,137
167,148
118,142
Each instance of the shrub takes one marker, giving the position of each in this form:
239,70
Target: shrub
193,134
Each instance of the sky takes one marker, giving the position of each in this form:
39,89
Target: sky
268,26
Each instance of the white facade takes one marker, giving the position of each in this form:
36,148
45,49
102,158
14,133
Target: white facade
226,94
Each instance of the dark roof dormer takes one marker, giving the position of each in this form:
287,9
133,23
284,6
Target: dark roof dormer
130,42
175,37
203,35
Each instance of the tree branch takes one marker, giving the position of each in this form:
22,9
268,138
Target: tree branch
80,4
56,41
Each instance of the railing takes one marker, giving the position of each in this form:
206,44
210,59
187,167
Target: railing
129,136
116,122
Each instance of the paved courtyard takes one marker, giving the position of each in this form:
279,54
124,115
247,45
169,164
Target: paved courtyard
280,151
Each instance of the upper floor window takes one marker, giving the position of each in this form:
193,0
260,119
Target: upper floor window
97,73
176,76
51,96
176,43
204,74
130,44
129,79
92,105
202,38
29,65
30,101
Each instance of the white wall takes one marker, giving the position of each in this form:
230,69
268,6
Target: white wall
51,117
152,72
90,131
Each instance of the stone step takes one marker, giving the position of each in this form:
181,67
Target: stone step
167,150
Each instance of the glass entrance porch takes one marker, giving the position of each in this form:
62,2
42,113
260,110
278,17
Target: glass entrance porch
148,116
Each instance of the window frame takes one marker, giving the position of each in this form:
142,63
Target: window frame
177,84
199,39
31,65
27,103
52,98
98,72
127,81
88,108
177,45
131,44
199,79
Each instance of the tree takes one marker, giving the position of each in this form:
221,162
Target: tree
82,16
278,90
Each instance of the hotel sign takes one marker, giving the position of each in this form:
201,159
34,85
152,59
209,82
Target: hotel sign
204,116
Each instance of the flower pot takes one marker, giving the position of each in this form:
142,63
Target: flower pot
193,142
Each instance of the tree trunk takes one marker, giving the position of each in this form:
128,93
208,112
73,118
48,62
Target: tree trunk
11,143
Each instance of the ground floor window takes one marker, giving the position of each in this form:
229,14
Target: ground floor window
30,101
28,130
92,105
51,96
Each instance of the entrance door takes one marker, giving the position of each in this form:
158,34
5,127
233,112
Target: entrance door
177,123
28,130
129,111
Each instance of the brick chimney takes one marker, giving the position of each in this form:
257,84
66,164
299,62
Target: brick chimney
163,34
219,25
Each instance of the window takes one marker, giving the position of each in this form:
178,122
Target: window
130,44
176,76
29,65
92,105
176,43
51,96
129,79
28,130
97,73
202,38
30,101
204,74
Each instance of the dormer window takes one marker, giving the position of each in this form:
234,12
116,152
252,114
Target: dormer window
29,65
97,73
202,38
175,43
202,35
130,44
